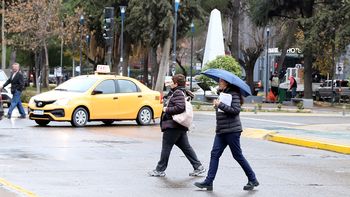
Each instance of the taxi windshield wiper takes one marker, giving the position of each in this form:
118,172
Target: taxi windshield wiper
61,89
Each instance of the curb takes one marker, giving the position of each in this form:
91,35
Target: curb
308,143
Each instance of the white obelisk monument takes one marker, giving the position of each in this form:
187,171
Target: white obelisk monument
214,45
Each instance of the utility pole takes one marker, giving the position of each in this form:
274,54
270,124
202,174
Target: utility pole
3,43
267,64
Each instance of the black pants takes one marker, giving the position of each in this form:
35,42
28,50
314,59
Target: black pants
220,143
179,138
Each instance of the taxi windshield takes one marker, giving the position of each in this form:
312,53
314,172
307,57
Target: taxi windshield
78,84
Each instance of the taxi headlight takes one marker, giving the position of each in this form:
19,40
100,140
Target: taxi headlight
61,102
31,101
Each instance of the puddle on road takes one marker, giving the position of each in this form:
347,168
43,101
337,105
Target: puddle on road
314,185
112,141
5,136
297,155
18,154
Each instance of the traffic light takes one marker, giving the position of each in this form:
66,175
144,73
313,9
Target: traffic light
108,24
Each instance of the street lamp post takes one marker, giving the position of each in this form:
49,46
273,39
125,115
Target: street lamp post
176,6
192,32
333,65
87,49
81,22
3,43
267,64
122,14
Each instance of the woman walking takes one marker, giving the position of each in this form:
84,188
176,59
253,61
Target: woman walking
173,132
228,132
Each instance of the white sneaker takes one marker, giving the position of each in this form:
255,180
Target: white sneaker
156,173
200,170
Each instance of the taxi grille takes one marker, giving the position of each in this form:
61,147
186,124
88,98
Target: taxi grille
42,103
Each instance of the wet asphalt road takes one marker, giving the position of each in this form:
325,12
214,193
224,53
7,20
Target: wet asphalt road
113,161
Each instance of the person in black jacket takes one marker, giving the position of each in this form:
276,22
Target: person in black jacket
228,132
173,132
17,85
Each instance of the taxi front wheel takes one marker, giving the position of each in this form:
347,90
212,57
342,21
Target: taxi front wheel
144,116
80,117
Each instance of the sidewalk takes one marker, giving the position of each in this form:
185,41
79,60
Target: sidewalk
331,137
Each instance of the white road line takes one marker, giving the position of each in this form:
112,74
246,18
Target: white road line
273,121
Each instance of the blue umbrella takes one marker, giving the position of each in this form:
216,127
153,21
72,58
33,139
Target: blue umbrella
231,78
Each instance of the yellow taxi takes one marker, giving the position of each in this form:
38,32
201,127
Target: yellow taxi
105,98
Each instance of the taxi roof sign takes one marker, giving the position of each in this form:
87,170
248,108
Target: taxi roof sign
103,69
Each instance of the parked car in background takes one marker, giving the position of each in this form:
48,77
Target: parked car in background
340,91
5,92
105,98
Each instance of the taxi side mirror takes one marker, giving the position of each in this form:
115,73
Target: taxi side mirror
95,92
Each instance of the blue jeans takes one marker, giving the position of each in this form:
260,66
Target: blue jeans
220,143
16,102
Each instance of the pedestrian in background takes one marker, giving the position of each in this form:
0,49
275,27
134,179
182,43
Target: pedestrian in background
293,86
173,132
17,85
228,132
275,82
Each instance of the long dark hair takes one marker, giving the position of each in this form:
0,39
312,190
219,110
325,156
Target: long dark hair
237,90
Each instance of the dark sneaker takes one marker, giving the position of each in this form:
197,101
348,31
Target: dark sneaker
250,185
7,116
200,170
204,185
156,173
22,117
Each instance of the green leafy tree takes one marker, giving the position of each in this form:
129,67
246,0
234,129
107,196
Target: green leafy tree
151,24
223,62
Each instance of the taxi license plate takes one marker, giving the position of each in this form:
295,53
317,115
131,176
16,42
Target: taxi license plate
38,112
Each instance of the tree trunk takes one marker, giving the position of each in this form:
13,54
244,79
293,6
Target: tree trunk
292,26
307,74
235,29
46,69
13,56
31,69
164,65
308,7
145,67
250,74
116,54
182,67
155,66
37,71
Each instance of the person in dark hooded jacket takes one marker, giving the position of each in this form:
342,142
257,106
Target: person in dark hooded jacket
173,132
228,132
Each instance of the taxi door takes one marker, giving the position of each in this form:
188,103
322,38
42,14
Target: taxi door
104,101
129,99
